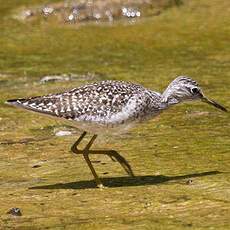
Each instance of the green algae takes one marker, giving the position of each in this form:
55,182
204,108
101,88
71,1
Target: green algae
187,142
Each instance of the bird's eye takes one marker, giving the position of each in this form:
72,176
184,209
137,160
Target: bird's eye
195,90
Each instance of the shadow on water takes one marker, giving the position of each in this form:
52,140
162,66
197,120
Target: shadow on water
124,181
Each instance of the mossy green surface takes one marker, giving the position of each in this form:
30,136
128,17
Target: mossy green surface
189,141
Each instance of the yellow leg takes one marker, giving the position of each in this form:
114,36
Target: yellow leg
86,156
85,153
115,156
111,153
74,148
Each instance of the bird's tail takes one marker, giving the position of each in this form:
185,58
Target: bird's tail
35,104
16,102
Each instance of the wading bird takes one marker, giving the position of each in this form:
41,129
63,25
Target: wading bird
111,106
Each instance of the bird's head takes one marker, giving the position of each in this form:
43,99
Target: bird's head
184,89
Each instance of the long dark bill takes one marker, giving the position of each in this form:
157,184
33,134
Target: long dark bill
211,102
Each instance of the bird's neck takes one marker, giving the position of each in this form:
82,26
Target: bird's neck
156,101
161,101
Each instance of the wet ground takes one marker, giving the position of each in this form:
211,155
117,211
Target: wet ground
180,159
82,11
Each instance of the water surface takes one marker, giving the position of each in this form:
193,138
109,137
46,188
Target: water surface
180,159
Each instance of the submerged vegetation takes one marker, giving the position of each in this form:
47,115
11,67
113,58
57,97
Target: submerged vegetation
180,159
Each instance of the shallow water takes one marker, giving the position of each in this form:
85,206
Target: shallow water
180,159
